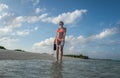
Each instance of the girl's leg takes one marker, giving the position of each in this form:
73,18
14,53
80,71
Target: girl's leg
61,51
57,53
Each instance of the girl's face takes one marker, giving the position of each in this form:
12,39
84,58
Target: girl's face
61,24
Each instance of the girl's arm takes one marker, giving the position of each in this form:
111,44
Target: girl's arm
55,37
64,34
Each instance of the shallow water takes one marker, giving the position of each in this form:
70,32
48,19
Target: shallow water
68,69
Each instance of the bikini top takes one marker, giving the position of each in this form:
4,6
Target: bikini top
61,30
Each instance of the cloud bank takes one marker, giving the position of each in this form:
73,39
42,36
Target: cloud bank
68,18
73,44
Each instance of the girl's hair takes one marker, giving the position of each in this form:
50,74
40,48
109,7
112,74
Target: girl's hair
61,22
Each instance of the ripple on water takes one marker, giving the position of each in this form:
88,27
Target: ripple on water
68,69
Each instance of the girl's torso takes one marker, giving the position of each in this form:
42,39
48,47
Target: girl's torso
60,33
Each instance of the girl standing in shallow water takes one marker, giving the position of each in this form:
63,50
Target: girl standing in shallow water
60,40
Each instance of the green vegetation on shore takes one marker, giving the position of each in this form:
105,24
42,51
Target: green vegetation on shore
19,50
78,56
1,47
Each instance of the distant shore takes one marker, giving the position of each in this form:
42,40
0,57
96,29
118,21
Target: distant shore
78,56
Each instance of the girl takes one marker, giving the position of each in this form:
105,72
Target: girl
60,40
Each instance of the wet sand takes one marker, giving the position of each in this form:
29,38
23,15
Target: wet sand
19,55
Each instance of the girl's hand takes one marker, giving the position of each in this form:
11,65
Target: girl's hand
54,40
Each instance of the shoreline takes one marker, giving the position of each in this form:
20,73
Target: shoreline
19,55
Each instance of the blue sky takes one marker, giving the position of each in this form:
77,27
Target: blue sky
93,26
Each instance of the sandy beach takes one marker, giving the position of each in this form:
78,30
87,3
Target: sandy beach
19,55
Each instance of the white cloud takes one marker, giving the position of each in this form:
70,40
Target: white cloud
4,11
8,25
106,33
68,18
37,10
43,16
4,15
4,30
8,42
23,33
36,2
32,19
47,45
3,6
43,46
12,24
72,43
16,22
36,28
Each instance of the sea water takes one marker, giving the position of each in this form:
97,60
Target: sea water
75,68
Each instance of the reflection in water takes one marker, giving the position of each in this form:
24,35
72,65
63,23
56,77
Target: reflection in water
57,70
67,69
